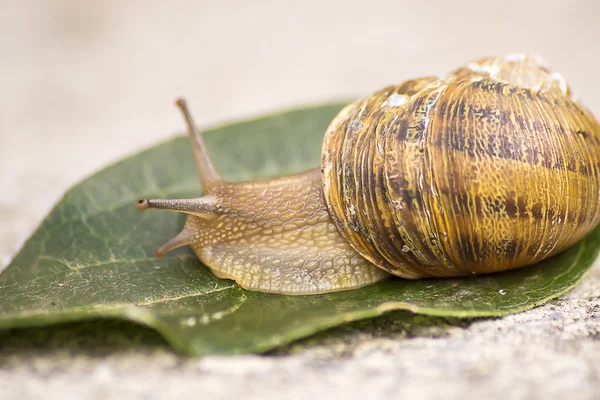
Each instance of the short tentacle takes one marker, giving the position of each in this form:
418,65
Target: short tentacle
184,238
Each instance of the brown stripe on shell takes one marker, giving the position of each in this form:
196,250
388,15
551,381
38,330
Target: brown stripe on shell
509,137
340,153
484,193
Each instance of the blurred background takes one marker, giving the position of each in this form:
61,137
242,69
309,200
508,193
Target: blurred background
84,83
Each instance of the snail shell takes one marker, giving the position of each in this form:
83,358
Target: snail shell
491,168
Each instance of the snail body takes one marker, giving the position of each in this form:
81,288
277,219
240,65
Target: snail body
493,167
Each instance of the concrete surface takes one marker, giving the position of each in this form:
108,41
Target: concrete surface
85,83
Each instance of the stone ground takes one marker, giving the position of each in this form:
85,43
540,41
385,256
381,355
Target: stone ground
83,85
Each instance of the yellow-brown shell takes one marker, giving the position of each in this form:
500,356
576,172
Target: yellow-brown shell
493,167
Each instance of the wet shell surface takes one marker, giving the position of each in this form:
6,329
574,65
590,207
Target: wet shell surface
491,168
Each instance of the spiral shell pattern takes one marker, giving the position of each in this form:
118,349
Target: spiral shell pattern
495,166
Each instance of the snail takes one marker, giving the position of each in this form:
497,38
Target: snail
493,167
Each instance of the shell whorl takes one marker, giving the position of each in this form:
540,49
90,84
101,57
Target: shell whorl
493,167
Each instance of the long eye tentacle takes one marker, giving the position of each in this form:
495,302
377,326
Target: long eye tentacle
206,207
209,177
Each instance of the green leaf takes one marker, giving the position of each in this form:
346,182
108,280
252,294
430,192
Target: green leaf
92,257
